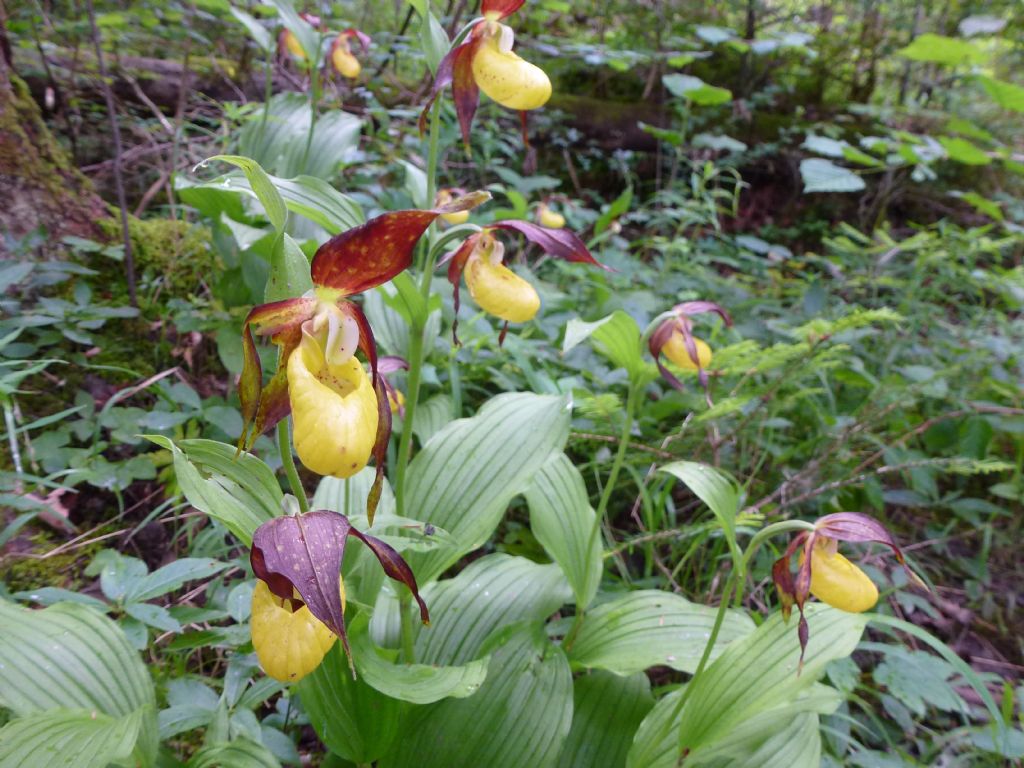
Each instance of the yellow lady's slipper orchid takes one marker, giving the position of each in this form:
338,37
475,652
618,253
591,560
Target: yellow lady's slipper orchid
549,218
289,644
676,351
670,338
838,582
485,62
334,409
826,574
498,290
318,334
298,605
344,61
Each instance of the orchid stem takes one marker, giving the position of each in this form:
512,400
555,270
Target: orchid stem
416,352
408,648
284,445
314,100
606,495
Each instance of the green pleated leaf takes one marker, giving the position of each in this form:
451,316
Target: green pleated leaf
696,90
69,738
279,142
784,737
759,672
256,31
353,719
964,151
650,628
607,710
562,520
262,187
465,477
616,337
242,493
307,36
68,655
492,592
519,717
714,488
289,270
415,683
313,198
240,753
348,496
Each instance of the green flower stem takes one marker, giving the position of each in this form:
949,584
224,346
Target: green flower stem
408,648
284,445
606,494
412,396
416,350
314,100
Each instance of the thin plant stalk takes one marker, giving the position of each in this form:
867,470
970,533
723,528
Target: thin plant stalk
284,445
416,350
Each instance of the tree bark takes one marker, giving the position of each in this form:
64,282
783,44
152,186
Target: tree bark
39,186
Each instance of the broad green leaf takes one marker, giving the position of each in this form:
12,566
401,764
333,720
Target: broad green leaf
289,270
823,145
69,655
243,752
348,496
491,593
964,151
648,628
431,416
986,206
173,576
980,25
519,717
784,737
256,31
655,744
51,595
242,493
415,683
562,520
351,718
825,176
279,142
607,710
69,738
262,187
696,90
307,196
760,672
616,337
714,488
416,184
943,50
860,157
465,477
1006,95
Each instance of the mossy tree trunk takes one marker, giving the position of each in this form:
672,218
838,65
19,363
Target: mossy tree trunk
39,186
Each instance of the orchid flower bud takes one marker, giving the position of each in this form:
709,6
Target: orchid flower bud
289,644
675,350
334,408
505,77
